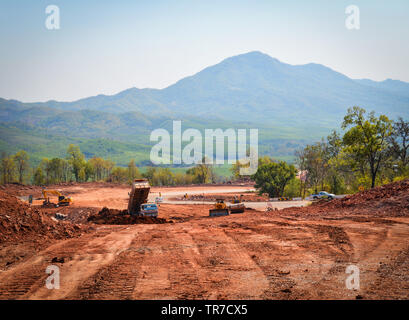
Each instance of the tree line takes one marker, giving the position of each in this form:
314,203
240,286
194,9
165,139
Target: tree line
371,151
74,167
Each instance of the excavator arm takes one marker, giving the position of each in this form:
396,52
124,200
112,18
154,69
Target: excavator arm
51,192
62,200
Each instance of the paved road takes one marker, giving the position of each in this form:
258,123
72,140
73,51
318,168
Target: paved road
252,205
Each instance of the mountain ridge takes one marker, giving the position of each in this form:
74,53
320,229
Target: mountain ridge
254,90
240,82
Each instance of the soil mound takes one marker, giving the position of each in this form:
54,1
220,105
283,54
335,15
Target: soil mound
20,221
393,198
114,216
390,200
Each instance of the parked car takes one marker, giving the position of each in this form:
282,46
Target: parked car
323,195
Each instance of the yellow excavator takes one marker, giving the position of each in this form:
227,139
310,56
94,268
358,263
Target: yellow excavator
62,200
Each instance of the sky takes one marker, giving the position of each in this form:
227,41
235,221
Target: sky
104,47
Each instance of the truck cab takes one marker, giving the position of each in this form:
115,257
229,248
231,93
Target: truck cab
149,210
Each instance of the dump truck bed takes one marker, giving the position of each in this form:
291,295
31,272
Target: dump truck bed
138,195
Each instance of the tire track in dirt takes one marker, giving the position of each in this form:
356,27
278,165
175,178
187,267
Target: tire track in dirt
362,247
170,270
231,271
288,239
16,282
337,253
387,265
84,256
159,264
391,277
117,279
86,262
272,248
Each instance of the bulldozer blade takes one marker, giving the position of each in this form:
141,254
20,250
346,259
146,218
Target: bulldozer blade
218,212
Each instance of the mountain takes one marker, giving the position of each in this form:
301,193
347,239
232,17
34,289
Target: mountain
396,86
288,103
255,87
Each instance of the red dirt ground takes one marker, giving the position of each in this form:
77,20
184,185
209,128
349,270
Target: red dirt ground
295,253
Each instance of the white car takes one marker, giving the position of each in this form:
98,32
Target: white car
323,195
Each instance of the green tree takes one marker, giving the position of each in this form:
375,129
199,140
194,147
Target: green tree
182,178
46,168
39,178
150,174
82,175
108,167
292,189
22,165
399,146
89,171
7,168
133,172
98,165
76,159
119,175
235,169
163,177
55,168
272,177
366,140
202,173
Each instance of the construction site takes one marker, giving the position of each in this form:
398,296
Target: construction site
116,241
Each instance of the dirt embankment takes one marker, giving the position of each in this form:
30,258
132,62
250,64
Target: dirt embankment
391,200
24,230
19,220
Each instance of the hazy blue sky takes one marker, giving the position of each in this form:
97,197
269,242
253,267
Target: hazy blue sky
108,46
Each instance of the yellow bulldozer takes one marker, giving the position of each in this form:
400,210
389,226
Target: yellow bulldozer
237,205
62,200
220,209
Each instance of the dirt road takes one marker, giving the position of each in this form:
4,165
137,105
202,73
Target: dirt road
251,256
255,255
